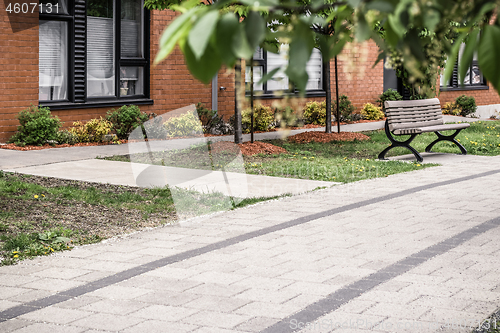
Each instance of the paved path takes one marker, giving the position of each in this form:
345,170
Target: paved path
413,252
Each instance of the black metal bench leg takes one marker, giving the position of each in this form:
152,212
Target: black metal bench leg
450,138
395,143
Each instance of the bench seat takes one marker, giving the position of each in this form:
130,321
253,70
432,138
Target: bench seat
416,117
427,129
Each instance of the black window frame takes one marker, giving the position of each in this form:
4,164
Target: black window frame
454,83
77,36
292,91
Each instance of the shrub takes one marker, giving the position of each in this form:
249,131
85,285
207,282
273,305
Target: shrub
92,131
346,109
183,125
388,95
467,105
451,108
37,126
371,112
315,113
288,117
66,137
211,122
126,119
263,119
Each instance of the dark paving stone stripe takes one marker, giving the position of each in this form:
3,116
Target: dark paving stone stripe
132,272
335,300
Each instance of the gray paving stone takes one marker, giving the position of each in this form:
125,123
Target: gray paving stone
216,319
171,298
118,292
13,324
56,315
49,328
158,326
103,321
256,324
216,303
164,312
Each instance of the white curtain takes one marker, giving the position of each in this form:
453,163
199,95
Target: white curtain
53,60
100,57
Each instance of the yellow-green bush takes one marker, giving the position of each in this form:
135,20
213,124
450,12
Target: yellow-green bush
92,131
183,125
262,121
371,112
315,113
452,109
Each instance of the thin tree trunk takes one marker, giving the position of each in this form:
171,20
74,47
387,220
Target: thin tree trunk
238,135
328,87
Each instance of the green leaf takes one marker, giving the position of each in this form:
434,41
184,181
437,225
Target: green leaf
255,29
381,6
268,75
205,67
354,3
299,53
177,30
468,54
226,28
363,30
452,57
260,3
431,19
489,53
201,32
240,46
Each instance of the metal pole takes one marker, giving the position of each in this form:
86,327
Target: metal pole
337,93
251,99
238,137
328,128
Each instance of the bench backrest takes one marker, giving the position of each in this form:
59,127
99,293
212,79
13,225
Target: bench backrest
412,114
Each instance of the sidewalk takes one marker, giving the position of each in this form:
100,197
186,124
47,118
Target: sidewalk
412,252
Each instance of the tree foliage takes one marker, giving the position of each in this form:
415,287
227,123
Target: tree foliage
416,33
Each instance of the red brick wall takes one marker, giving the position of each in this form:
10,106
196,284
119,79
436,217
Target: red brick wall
357,79
18,67
483,97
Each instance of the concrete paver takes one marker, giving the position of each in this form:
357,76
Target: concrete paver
363,235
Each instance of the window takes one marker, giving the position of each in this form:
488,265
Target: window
473,78
93,52
265,62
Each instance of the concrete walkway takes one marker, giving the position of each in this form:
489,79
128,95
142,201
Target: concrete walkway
413,252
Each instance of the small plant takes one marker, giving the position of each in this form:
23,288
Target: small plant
263,119
371,112
126,119
37,126
92,131
346,110
288,117
66,137
467,105
183,125
451,108
315,113
388,95
211,122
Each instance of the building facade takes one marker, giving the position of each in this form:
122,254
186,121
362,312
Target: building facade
82,58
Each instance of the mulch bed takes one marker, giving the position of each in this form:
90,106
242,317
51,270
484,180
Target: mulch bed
307,137
13,146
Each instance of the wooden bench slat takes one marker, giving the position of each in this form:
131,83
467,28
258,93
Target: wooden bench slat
408,119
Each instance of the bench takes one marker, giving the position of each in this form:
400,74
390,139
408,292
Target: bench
416,117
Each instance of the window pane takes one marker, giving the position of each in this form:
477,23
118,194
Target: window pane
257,75
131,28
279,81
314,69
131,81
53,63
100,50
53,7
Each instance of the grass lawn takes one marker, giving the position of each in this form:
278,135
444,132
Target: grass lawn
334,161
40,215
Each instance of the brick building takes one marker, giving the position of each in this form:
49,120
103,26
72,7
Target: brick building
82,58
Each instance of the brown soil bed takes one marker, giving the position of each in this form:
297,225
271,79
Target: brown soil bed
307,137
247,148
13,146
